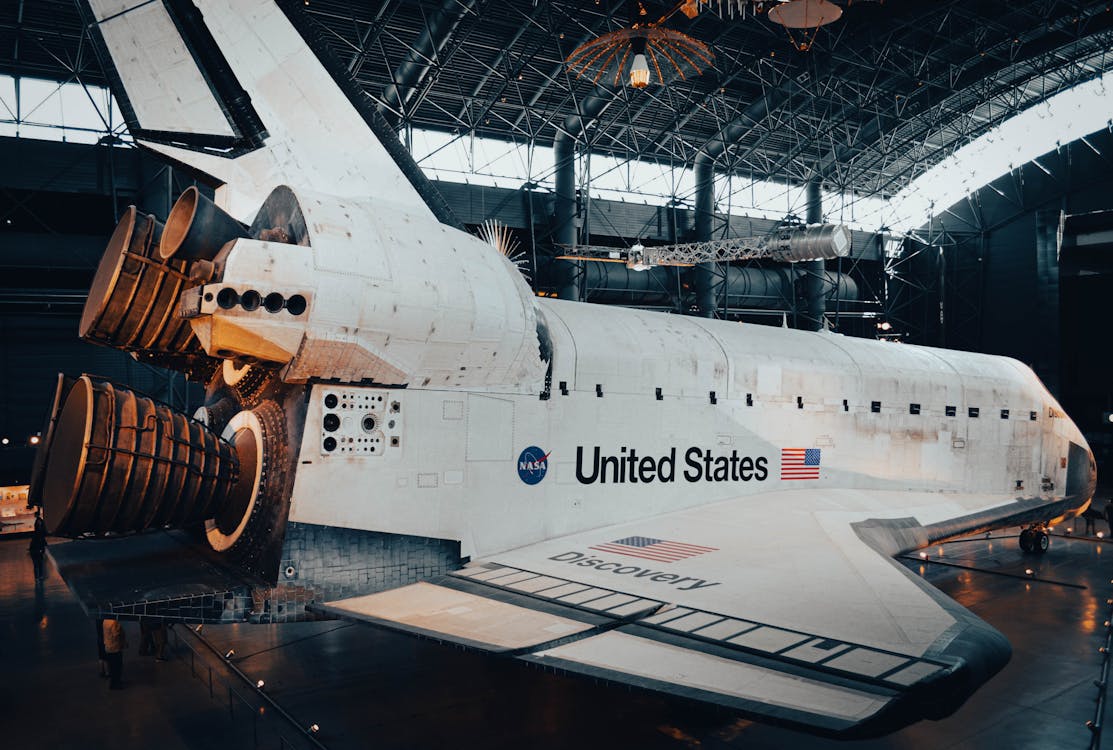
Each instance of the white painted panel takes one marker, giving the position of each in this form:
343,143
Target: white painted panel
768,639
866,661
163,83
535,584
725,629
659,661
461,615
912,673
693,621
490,429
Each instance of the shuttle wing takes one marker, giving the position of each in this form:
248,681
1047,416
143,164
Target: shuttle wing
786,606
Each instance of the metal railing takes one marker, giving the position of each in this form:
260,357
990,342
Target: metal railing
1102,682
270,724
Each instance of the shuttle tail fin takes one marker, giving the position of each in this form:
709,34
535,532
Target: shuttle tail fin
234,91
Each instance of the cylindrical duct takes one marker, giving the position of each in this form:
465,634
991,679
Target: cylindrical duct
813,270
133,300
120,463
197,228
569,282
764,288
814,242
772,288
704,274
616,283
840,287
743,287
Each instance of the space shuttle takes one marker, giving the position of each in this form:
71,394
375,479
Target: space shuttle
397,431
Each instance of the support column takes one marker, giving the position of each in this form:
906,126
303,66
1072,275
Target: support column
570,273
815,306
705,274
1047,350
569,284
425,52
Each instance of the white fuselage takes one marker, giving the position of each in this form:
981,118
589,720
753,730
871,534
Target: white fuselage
680,412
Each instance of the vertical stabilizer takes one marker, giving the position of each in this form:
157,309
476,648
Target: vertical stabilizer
231,89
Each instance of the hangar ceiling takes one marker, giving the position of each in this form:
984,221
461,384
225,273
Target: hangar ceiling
886,92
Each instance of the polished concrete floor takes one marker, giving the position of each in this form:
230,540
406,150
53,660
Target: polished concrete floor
367,688
51,694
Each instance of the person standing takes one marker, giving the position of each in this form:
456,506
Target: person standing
38,545
115,641
101,654
146,643
158,640
1089,516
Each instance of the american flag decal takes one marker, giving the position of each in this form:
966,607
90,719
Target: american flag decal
799,463
648,548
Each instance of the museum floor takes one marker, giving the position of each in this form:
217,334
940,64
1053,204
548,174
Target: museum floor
367,688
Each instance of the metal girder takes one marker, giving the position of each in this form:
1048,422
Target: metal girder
423,54
1040,48
885,93
787,245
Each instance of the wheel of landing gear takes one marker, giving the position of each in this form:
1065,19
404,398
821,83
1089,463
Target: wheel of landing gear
1040,541
1027,543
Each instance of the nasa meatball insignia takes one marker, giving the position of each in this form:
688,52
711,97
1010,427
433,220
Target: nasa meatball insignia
533,464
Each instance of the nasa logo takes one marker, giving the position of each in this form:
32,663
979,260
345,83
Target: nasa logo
533,464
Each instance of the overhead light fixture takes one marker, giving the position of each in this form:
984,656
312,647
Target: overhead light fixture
639,70
639,56
801,18
805,14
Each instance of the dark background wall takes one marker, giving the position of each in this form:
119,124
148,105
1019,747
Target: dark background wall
1027,304
35,349
58,205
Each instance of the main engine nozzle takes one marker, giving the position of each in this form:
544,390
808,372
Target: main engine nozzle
132,303
118,462
197,228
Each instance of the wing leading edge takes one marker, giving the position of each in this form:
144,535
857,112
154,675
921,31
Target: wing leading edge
787,615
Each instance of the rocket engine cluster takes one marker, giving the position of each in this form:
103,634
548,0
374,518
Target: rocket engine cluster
316,288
